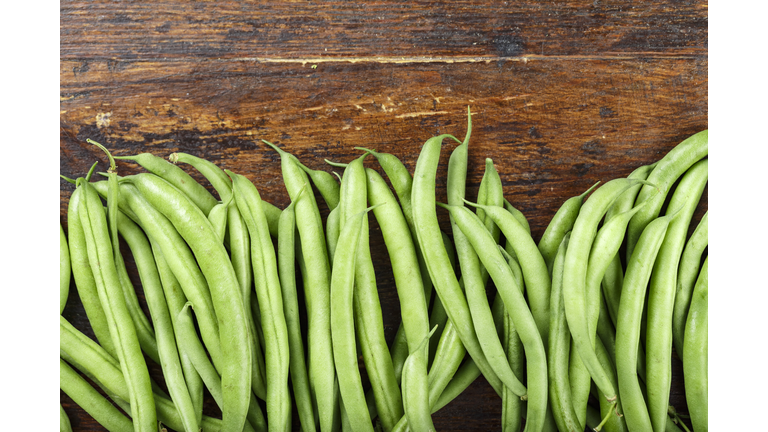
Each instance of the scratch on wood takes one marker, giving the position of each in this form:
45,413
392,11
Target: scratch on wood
419,114
461,59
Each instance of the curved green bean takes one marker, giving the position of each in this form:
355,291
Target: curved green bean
176,176
158,308
175,299
534,268
522,316
614,274
574,278
430,241
214,262
561,223
661,293
469,263
668,169
223,185
182,262
688,270
190,345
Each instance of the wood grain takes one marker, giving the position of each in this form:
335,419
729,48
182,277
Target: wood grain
168,30
562,94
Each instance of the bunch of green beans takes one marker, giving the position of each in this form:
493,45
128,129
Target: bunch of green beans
272,312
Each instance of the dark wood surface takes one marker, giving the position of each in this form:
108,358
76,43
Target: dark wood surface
563,94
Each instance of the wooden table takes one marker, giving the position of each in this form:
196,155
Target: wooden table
563,94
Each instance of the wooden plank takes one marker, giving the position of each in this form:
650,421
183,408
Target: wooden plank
383,29
552,127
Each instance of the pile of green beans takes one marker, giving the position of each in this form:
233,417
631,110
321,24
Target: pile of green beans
273,314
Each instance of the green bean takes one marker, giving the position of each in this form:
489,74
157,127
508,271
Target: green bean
522,317
367,308
614,274
144,330
402,183
688,270
333,229
667,171
437,314
518,215
176,176
103,369
182,262
326,184
448,358
512,406
65,269
416,390
399,176
468,372
474,285
102,260
405,265
316,274
604,248
221,182
613,421
491,192
190,345
158,308
64,423
193,226
240,254
82,274
578,379
89,399
606,332
559,350
537,280
269,296
629,320
410,290
343,325
286,259
574,278
175,299
561,223
661,293
695,352
218,218
428,234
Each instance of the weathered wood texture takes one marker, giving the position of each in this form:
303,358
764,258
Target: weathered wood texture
563,94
